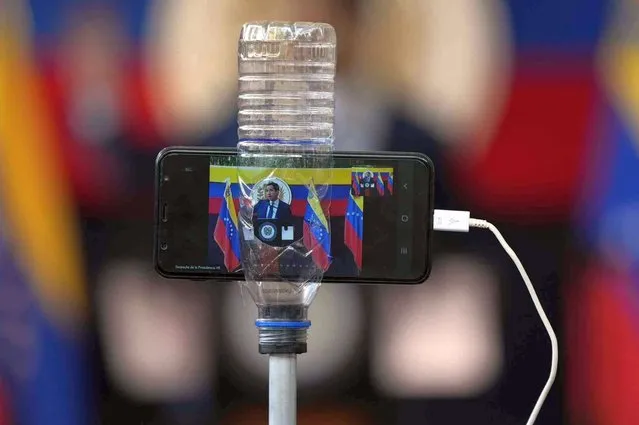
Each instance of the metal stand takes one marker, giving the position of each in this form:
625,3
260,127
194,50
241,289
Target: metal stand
282,389
282,332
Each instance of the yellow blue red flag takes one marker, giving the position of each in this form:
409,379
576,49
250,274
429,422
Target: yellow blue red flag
603,309
354,228
42,298
317,236
226,232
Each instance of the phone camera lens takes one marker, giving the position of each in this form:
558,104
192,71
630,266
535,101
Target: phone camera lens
163,246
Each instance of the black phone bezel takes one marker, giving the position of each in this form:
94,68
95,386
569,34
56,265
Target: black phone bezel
230,277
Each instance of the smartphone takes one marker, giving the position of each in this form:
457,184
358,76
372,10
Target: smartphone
390,194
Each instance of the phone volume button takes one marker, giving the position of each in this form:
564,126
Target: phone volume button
164,213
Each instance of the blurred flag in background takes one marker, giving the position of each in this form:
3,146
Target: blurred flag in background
42,299
4,408
529,172
603,311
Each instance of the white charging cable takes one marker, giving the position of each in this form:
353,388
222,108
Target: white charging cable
460,221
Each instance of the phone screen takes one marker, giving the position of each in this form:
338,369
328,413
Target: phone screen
377,213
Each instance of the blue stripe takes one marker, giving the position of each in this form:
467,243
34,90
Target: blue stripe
322,237
358,225
299,192
216,190
332,192
49,16
319,232
609,202
231,230
324,241
356,221
235,241
58,392
312,219
566,25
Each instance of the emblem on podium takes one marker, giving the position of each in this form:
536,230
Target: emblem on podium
267,231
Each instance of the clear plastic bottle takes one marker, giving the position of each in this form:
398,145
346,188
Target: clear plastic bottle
285,117
286,86
286,113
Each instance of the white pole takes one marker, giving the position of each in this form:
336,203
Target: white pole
282,392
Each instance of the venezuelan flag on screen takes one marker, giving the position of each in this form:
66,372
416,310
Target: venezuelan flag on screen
42,298
354,228
355,183
380,184
317,236
226,233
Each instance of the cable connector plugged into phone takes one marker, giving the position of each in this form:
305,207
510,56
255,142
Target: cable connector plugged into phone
451,221
460,221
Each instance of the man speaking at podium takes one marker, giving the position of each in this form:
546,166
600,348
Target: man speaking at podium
273,225
272,207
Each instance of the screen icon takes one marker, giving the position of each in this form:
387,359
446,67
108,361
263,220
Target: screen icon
288,233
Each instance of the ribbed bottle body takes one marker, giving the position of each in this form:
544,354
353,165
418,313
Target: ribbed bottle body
286,85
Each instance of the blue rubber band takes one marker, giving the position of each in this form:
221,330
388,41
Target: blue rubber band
300,324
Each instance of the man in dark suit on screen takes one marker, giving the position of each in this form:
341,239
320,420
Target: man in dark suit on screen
272,207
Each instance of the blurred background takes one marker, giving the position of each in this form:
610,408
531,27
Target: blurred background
529,111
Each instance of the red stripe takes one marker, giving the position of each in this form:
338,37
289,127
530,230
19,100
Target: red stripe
320,257
5,418
216,203
298,207
515,177
231,262
603,360
353,243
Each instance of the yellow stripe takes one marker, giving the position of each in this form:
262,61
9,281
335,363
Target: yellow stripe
623,72
321,176
359,201
373,169
314,202
230,205
36,203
